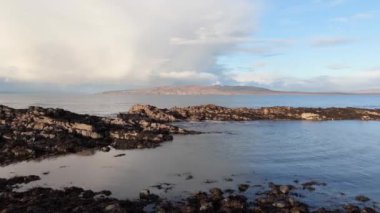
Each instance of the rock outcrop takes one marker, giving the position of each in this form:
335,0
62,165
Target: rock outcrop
278,198
38,132
218,113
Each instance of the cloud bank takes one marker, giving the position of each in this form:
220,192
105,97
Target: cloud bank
369,78
122,41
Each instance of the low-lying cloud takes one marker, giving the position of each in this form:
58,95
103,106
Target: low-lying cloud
121,41
350,82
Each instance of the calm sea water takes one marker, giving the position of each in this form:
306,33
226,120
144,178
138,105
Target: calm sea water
343,154
108,104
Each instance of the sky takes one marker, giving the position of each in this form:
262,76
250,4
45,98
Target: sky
97,45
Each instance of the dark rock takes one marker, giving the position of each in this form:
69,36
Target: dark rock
216,194
208,181
311,185
368,210
352,208
243,187
284,189
228,179
280,204
362,198
105,149
213,112
119,155
74,199
41,132
235,203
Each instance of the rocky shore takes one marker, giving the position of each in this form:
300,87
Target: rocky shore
277,198
42,132
218,113
38,132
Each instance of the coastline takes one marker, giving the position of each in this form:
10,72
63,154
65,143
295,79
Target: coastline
29,134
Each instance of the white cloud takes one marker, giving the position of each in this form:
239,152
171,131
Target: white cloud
264,78
98,41
189,75
350,82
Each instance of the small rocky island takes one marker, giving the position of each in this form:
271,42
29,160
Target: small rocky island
37,132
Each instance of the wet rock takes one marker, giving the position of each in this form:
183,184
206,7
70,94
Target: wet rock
311,185
205,206
39,132
243,187
113,208
284,189
105,149
67,200
368,210
213,112
216,194
229,191
352,208
144,194
8,184
280,204
234,203
164,186
208,181
74,199
299,209
362,198
228,179
147,196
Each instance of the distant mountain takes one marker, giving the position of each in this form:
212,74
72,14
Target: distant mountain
226,90
197,90
369,91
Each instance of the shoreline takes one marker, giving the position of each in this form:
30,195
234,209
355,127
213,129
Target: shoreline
37,132
274,198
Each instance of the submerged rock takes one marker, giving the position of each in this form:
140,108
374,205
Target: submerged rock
243,187
362,198
9,184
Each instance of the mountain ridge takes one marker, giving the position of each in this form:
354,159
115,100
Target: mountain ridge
224,90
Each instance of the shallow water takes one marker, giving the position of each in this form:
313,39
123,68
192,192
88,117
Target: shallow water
343,154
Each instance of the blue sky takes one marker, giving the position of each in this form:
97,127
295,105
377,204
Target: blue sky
311,39
78,45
